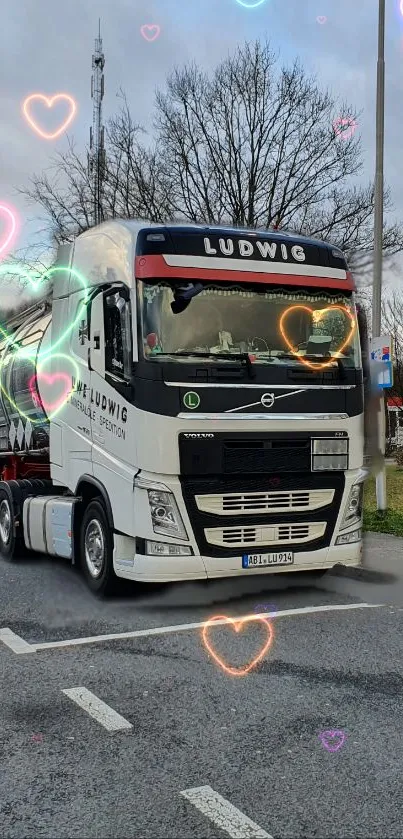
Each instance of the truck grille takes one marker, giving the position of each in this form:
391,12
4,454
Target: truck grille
249,459
264,502
276,534
232,513
244,453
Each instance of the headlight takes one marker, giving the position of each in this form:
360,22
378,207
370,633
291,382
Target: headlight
329,454
353,510
165,515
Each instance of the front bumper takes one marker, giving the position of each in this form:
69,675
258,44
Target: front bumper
150,569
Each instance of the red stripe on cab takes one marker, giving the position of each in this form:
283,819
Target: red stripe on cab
154,267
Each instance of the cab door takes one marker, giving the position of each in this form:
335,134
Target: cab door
112,414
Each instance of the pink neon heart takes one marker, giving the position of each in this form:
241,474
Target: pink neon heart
150,31
49,101
332,740
344,128
11,227
50,379
321,19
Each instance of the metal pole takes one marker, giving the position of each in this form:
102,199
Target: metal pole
378,230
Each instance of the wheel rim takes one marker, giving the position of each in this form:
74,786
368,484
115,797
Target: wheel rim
94,544
5,522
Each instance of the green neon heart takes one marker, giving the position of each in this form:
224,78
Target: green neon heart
35,282
40,369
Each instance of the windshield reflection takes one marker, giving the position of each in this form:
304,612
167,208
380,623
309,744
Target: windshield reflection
276,326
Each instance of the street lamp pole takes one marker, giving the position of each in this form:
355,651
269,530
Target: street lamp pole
378,228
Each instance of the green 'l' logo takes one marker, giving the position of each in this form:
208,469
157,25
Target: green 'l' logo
191,400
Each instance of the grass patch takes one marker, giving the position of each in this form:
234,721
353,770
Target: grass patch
390,521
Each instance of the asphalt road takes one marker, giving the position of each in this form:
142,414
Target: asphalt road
197,752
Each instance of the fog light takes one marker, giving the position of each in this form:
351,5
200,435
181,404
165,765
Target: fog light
348,538
163,549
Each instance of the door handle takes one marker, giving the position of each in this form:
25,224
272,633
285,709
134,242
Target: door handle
97,341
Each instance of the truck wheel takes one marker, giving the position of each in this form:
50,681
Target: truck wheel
96,549
10,544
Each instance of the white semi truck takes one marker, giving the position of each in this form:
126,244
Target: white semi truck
189,405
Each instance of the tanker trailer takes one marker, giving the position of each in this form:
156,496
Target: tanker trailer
24,425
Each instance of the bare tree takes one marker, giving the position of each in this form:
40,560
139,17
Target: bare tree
135,182
254,145
65,195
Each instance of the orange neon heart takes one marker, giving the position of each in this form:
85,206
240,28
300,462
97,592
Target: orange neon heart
49,101
237,624
316,314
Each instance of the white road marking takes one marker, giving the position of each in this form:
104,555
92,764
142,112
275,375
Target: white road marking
15,642
97,709
185,627
223,814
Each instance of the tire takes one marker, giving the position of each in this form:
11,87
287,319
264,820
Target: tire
97,559
11,545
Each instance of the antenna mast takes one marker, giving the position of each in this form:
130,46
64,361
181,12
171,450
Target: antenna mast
96,155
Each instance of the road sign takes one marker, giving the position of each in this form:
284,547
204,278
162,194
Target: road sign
385,377
381,361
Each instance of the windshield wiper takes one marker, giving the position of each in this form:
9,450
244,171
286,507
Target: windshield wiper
320,359
323,358
231,356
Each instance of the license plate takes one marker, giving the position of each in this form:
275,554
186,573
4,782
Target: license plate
260,560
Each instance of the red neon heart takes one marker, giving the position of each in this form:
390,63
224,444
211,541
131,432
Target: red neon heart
50,379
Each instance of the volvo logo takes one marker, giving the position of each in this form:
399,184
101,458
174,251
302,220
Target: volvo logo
267,400
199,435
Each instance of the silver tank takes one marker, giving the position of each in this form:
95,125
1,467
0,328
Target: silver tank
24,424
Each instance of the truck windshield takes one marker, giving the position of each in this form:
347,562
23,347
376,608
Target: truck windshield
274,326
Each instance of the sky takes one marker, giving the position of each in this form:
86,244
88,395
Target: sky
46,47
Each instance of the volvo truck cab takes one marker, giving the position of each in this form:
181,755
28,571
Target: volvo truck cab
189,405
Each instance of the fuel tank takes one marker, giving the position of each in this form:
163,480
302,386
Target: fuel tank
24,425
